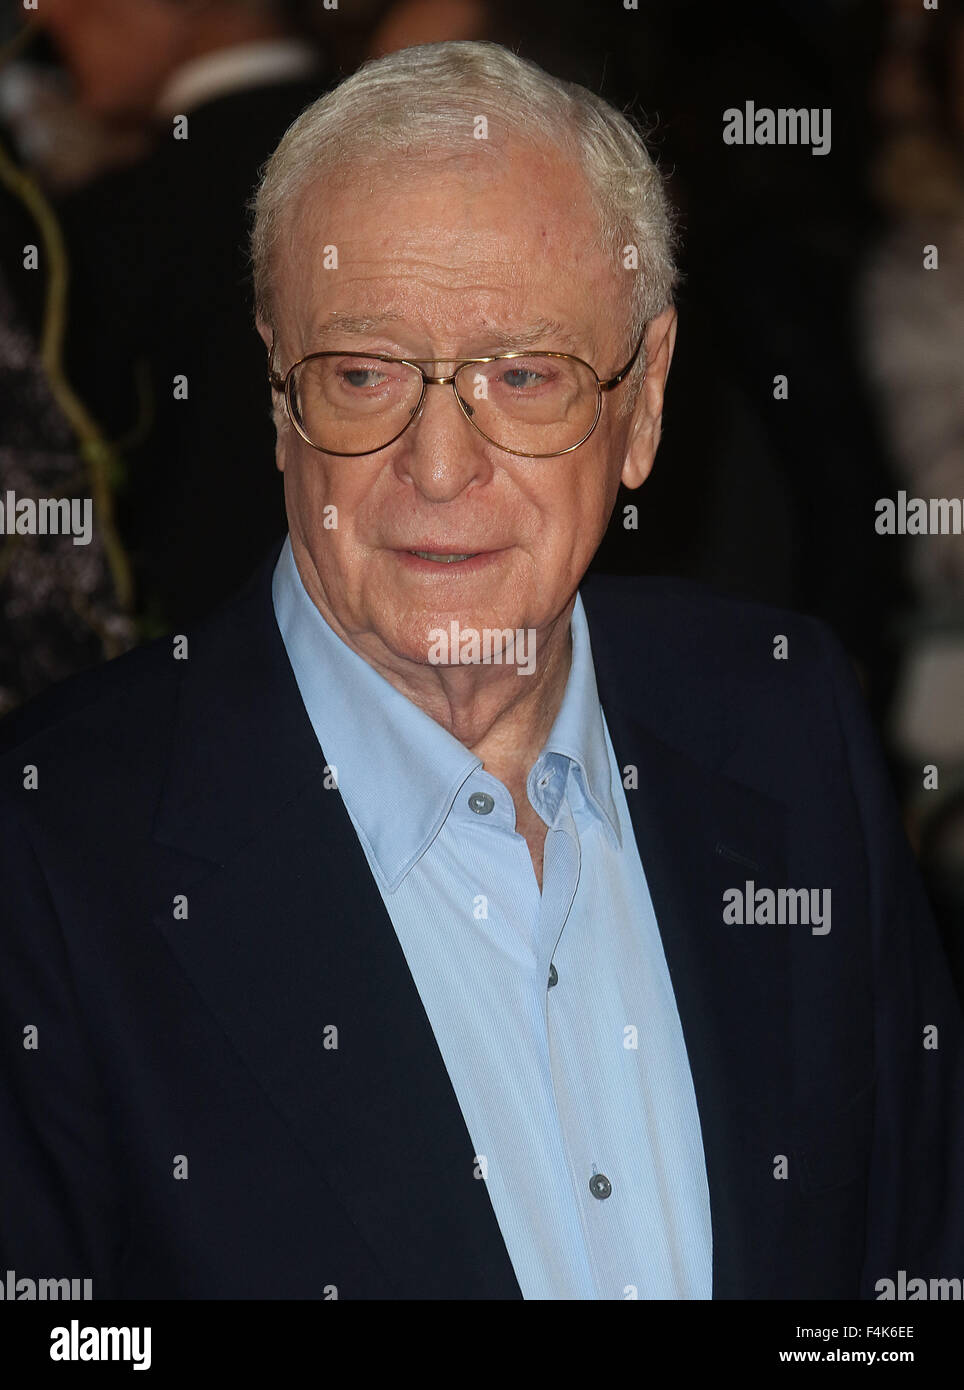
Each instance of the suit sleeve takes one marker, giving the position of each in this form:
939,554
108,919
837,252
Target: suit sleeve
915,1212
59,1196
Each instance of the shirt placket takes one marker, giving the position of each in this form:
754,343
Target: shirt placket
563,858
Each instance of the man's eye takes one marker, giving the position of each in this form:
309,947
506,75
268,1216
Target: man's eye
360,376
522,376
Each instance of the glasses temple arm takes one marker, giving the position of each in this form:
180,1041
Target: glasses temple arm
615,380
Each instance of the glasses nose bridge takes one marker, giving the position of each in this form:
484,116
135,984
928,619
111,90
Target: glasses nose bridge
441,380
450,379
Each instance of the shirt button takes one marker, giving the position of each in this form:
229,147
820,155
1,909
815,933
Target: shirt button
553,976
600,1186
481,803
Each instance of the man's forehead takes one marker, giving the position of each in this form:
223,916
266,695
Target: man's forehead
460,268
502,207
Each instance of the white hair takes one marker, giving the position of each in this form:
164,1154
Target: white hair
427,99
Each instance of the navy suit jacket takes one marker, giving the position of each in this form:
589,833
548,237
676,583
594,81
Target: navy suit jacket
182,1127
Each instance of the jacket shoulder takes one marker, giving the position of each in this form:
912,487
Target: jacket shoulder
132,689
695,622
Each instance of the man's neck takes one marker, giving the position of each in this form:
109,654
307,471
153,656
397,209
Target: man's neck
500,714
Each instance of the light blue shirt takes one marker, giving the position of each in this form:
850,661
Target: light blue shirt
553,1012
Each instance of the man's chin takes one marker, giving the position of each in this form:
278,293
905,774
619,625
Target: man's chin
449,638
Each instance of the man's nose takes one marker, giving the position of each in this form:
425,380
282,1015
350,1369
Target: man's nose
440,452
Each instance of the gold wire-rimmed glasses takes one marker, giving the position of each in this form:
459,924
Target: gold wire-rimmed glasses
554,399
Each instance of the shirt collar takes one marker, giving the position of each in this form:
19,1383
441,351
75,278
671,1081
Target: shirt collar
231,69
399,771
578,732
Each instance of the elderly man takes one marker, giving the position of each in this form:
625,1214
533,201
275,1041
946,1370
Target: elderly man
431,922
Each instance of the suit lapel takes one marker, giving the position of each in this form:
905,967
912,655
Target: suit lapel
288,939
700,833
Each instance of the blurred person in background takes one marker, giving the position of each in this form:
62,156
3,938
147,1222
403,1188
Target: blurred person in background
63,143
157,338
913,342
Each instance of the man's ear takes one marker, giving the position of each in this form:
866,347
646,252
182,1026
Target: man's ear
646,423
265,332
278,415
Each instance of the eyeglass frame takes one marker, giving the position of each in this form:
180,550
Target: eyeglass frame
282,382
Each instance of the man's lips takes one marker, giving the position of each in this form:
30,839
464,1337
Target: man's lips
435,557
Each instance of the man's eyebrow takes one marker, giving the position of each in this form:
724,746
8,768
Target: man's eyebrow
541,333
538,333
338,324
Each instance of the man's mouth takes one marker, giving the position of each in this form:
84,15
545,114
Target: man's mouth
444,559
